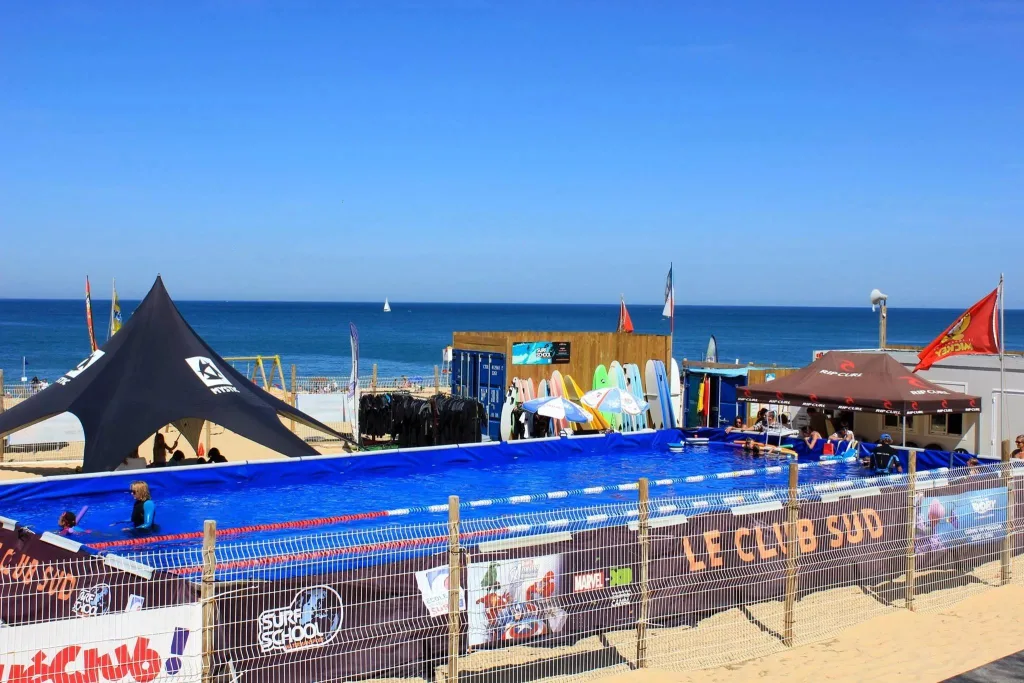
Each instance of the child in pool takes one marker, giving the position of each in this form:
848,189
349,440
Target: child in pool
68,524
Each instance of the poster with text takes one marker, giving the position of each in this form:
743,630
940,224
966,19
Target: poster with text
514,600
156,645
434,587
945,522
540,353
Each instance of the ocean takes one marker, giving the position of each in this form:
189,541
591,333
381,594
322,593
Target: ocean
51,334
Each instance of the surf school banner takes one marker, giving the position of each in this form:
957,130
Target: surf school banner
540,353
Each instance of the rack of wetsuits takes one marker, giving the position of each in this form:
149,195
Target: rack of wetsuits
406,421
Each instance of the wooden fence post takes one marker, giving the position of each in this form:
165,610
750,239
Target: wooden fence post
454,583
295,399
437,380
911,528
208,597
644,537
2,394
1006,555
373,380
792,548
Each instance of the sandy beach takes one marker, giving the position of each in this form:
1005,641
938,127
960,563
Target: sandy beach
897,646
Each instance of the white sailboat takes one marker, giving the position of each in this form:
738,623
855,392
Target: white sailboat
387,306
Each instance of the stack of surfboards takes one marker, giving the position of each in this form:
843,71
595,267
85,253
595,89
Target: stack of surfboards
664,393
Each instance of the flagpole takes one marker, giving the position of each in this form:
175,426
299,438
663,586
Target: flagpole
1003,408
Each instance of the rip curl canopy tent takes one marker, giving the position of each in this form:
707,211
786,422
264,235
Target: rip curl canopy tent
863,382
157,371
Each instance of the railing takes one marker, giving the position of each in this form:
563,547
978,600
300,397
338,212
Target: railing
667,582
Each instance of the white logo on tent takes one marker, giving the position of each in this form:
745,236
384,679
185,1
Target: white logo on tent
81,367
210,375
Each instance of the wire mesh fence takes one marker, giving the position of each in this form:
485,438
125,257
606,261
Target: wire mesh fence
570,592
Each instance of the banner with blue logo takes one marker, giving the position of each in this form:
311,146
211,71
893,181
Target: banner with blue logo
945,522
540,353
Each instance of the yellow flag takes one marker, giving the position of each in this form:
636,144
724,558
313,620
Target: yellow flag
115,314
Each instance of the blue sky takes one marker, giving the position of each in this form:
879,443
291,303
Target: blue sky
778,153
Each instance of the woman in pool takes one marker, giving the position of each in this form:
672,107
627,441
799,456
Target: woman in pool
144,511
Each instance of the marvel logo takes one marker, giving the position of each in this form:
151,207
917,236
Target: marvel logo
587,582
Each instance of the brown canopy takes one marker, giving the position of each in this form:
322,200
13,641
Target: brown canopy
872,382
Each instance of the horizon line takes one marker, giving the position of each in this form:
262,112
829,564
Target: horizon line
486,303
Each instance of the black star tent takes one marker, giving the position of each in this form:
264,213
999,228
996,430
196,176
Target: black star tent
157,371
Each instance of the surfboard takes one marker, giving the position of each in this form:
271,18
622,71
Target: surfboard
542,389
675,388
664,400
506,416
574,393
530,394
600,382
557,388
616,378
711,355
652,388
636,387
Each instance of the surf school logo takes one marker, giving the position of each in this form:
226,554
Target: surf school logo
311,620
210,375
92,601
81,367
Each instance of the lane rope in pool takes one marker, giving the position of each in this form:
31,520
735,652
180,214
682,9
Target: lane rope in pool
471,504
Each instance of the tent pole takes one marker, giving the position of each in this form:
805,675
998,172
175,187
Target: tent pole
904,430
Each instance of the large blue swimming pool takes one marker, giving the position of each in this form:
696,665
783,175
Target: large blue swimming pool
269,493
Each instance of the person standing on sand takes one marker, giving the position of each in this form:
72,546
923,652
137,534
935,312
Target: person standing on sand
161,449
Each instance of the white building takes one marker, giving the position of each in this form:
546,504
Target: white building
977,375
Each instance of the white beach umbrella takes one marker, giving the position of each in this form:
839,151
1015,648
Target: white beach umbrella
613,400
558,408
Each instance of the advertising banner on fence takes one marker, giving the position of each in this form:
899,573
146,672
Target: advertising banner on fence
515,599
434,587
45,582
149,646
329,626
540,353
946,522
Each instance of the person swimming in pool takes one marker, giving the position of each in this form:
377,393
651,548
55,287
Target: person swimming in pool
751,447
68,523
144,510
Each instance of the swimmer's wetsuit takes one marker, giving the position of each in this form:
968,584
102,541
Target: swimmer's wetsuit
884,460
143,514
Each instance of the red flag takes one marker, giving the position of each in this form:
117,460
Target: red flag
975,332
88,316
625,323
